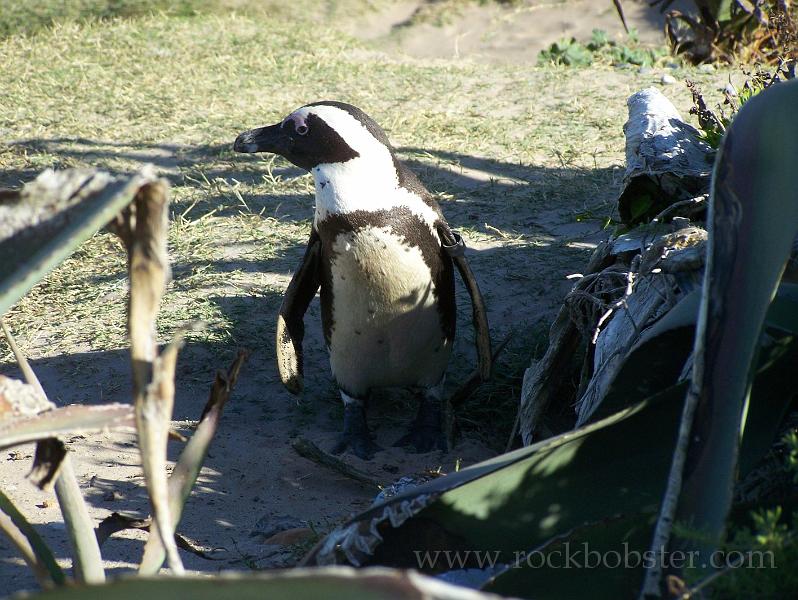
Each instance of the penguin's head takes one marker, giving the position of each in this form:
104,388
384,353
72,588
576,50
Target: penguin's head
321,133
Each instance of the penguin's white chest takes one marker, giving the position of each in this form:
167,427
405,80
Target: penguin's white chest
386,328
378,275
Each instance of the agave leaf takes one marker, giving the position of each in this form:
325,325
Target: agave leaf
50,218
531,501
87,562
62,421
771,397
524,498
657,359
337,583
783,311
44,564
753,221
630,533
603,557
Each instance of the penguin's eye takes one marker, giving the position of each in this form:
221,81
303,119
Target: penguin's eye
302,129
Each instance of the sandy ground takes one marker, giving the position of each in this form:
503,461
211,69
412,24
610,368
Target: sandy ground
499,33
239,503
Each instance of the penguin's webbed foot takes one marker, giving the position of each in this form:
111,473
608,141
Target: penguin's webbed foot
356,434
426,433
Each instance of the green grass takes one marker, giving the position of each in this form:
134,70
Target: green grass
31,16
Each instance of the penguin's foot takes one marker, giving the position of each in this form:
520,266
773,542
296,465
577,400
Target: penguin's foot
426,433
356,434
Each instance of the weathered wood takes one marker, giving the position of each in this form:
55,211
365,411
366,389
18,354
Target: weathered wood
543,379
667,269
666,159
645,271
651,299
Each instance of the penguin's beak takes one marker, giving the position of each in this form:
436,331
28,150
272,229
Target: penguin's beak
272,138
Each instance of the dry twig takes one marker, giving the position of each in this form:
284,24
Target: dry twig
307,449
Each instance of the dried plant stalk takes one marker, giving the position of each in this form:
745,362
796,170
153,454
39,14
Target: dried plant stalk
143,229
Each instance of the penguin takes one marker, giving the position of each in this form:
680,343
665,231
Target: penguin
382,254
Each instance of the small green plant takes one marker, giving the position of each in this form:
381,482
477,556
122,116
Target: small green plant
566,52
601,49
791,460
763,551
713,123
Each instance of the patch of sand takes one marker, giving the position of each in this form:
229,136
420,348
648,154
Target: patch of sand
503,33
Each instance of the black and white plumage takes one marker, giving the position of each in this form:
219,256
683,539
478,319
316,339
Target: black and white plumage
382,254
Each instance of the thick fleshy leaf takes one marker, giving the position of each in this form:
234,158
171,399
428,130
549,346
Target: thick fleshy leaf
522,499
42,552
605,557
783,311
62,421
753,220
50,217
338,583
630,533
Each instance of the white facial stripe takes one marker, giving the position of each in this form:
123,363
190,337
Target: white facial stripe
348,127
369,182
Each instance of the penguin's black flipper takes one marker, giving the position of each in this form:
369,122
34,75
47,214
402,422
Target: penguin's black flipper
290,325
454,246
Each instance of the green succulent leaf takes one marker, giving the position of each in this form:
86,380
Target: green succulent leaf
64,421
50,218
334,583
753,220
40,548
